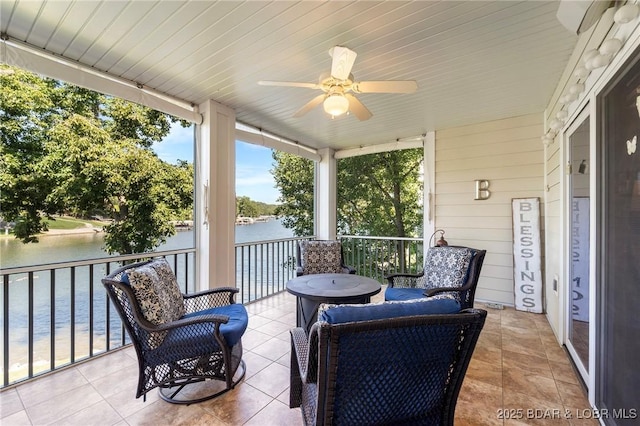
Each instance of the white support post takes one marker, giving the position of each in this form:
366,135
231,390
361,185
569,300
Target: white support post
325,196
215,197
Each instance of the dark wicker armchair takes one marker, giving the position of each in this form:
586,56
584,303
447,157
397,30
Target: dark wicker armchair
406,370
179,339
449,269
321,257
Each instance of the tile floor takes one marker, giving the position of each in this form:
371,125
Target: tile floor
517,369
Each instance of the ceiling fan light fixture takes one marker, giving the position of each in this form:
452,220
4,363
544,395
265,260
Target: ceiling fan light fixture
336,105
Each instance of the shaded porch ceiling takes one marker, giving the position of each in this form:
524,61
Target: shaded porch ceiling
474,61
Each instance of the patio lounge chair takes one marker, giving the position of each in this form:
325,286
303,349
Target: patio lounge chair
321,257
448,269
179,339
389,363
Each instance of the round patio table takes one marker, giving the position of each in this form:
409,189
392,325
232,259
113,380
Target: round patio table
312,290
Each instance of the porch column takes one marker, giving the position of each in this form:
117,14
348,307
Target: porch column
325,196
215,197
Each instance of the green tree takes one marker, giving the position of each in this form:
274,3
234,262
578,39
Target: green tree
70,150
246,207
377,194
294,178
380,194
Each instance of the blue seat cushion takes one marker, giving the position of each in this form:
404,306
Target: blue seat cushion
238,321
197,340
399,293
441,304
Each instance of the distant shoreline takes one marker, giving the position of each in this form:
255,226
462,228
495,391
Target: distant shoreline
88,229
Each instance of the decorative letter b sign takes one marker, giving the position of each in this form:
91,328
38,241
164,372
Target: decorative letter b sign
527,275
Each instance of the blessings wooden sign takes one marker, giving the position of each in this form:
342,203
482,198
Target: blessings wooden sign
527,274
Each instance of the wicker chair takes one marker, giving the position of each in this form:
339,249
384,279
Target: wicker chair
179,339
405,370
321,257
449,269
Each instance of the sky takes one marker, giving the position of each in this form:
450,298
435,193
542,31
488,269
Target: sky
253,162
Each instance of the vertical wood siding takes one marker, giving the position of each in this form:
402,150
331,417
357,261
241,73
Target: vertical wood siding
509,154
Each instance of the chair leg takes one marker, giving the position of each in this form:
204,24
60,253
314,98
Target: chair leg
169,392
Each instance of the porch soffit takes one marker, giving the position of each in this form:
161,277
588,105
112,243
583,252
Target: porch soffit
473,61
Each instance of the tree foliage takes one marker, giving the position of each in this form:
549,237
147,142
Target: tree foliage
377,194
294,178
70,150
247,207
380,194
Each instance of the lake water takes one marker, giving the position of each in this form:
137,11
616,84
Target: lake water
64,248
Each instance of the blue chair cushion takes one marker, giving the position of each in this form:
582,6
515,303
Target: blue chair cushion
399,293
441,304
197,340
238,321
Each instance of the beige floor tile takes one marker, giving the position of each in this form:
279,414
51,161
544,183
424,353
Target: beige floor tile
272,380
10,403
535,364
122,396
163,413
478,403
272,349
105,365
100,412
274,328
45,388
276,414
486,372
255,363
19,418
63,405
520,381
253,338
532,409
517,364
572,395
564,373
239,405
256,321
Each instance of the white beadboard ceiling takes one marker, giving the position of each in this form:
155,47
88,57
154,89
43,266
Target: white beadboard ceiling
474,61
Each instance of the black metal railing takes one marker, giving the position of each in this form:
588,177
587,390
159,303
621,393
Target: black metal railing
264,267
377,257
57,314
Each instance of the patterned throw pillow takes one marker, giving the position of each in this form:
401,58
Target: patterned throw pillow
447,266
321,257
156,290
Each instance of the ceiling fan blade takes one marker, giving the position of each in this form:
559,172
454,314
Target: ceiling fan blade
357,108
389,86
289,84
342,62
310,105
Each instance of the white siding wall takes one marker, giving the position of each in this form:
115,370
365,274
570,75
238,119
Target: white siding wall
509,154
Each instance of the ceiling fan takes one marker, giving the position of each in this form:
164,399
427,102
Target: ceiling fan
338,87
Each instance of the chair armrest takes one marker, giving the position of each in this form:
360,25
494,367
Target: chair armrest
212,298
298,271
403,280
299,358
300,346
